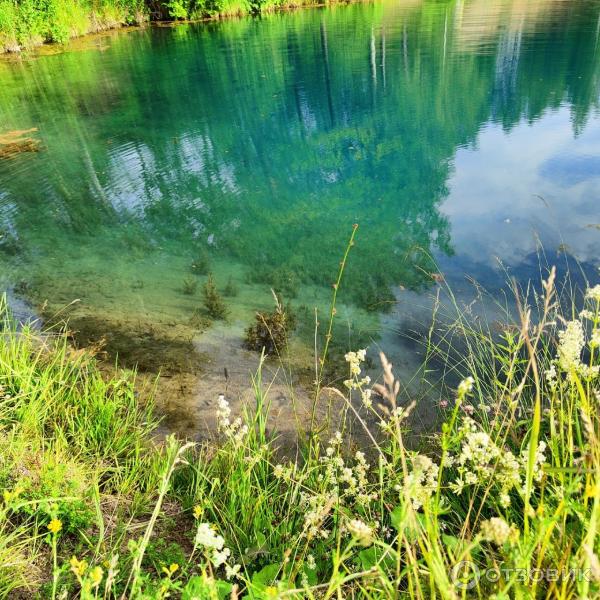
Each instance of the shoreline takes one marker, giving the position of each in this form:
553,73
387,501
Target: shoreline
11,48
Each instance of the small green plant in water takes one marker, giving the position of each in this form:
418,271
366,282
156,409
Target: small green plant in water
201,263
190,286
213,301
231,289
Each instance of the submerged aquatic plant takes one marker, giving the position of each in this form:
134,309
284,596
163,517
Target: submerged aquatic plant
213,301
231,289
200,265
270,331
189,286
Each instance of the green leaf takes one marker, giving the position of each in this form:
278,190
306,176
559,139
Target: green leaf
197,587
369,557
265,577
396,518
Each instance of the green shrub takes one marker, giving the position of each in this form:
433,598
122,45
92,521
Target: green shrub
213,301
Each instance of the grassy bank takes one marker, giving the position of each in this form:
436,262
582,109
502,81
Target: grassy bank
504,502
28,23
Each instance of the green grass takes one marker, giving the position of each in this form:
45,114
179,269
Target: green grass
507,489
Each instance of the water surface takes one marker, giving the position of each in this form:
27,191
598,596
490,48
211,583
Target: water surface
462,136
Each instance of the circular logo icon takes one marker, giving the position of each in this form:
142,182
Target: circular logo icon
465,575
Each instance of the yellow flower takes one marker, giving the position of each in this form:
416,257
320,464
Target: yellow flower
198,511
55,526
78,566
172,569
96,576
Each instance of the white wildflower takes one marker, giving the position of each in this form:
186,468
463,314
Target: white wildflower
366,398
317,509
570,344
481,461
236,430
361,532
207,537
498,531
551,376
421,481
593,293
336,440
219,557
465,386
231,572
354,359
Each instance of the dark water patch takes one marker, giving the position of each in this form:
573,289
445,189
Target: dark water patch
144,345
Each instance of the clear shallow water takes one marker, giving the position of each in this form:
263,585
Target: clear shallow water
461,136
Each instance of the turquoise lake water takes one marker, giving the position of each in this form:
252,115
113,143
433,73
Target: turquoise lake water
462,137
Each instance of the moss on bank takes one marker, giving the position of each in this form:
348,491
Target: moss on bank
28,23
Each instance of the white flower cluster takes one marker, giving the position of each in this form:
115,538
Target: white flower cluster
397,415
498,531
465,387
571,341
234,430
317,509
360,531
421,481
214,545
354,359
346,481
593,293
285,472
482,462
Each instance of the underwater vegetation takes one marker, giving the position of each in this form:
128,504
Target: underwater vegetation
213,301
271,330
189,286
231,289
201,263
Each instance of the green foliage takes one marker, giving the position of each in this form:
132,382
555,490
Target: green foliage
213,301
201,263
30,22
178,9
189,286
26,23
231,289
